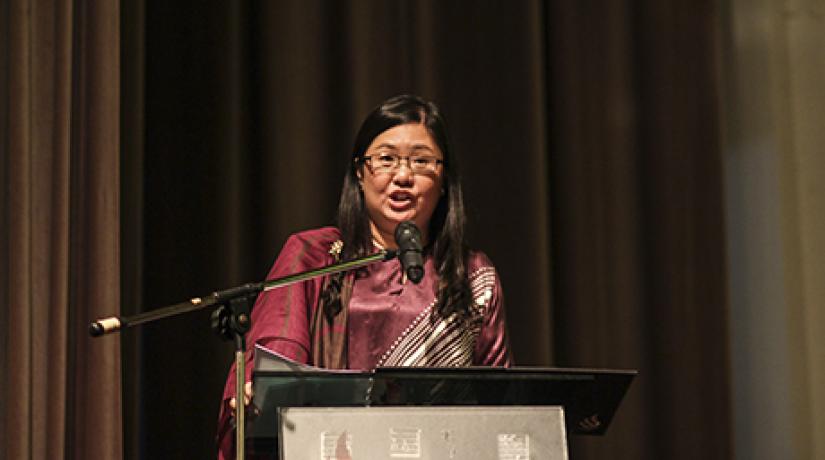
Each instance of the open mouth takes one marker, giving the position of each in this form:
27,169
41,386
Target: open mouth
401,199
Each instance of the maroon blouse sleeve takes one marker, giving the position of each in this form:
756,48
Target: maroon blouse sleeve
280,317
493,344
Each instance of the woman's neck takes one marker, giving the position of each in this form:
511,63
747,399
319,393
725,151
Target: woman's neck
386,240
383,240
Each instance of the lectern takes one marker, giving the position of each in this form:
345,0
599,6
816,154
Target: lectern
473,413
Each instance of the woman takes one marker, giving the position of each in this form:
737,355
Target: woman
401,169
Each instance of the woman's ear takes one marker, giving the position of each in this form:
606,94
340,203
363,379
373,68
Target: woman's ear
359,173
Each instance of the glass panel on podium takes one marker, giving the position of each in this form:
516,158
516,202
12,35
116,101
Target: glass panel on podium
589,397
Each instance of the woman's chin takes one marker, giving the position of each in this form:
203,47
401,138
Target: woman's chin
399,215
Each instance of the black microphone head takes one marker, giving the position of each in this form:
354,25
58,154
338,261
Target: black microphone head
408,239
407,236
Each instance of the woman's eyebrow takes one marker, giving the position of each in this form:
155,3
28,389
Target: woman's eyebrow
389,146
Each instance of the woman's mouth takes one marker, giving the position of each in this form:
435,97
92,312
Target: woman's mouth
400,200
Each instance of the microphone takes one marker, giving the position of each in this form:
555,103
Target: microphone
408,238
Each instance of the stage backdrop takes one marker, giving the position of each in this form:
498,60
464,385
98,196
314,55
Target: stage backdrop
589,144
590,139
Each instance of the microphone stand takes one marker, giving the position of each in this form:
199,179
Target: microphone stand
231,320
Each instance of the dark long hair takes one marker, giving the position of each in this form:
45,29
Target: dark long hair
447,224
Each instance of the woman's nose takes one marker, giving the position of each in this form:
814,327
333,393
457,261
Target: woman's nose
404,174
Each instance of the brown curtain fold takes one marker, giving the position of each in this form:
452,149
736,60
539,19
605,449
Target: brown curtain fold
638,220
59,205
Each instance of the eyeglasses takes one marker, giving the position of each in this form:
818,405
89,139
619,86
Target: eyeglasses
390,162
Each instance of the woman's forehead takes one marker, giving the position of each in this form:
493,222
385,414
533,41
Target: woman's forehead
406,136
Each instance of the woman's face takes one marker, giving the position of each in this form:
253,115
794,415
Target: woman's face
393,196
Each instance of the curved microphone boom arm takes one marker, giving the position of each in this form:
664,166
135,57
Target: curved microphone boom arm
231,319
112,324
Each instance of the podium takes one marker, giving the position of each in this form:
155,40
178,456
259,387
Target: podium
408,412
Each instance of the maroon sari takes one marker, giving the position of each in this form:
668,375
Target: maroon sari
388,320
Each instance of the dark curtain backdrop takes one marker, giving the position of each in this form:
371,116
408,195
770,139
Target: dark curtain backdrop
587,134
60,393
